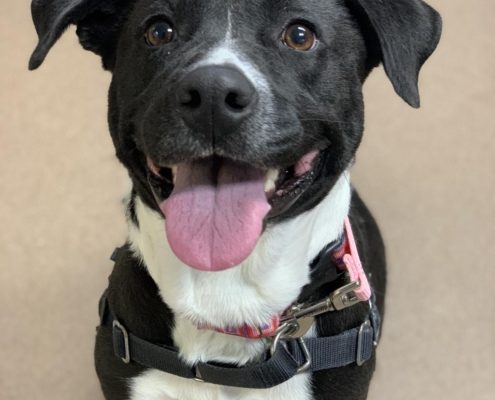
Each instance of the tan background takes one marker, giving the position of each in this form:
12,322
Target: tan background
427,175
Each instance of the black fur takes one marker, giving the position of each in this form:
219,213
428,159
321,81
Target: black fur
317,103
403,47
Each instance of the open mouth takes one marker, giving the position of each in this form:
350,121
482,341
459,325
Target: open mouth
216,208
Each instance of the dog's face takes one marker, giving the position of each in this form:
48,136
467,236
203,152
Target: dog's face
232,115
253,98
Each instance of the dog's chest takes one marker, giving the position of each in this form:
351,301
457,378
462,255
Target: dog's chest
266,285
155,385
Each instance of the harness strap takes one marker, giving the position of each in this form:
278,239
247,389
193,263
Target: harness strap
289,358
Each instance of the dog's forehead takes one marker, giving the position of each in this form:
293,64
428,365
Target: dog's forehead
242,13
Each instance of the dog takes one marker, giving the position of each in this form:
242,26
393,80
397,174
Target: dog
252,268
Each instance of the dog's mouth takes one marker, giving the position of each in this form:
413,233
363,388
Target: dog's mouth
216,208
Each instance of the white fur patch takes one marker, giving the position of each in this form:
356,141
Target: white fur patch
226,54
263,285
229,53
156,385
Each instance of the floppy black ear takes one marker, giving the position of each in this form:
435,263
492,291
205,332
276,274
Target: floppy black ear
98,25
408,32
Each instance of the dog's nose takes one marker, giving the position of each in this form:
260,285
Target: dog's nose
215,99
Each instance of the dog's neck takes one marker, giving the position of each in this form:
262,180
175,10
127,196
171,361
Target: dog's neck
262,286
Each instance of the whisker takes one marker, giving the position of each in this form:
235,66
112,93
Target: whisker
332,121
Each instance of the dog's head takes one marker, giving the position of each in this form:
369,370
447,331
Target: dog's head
231,115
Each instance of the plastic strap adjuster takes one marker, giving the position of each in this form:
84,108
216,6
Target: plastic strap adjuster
365,336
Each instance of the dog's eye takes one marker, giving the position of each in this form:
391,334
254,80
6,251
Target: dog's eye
159,33
299,37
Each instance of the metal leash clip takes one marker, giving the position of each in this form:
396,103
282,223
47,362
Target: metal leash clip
299,319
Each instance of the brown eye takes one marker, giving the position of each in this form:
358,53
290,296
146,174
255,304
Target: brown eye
159,33
299,37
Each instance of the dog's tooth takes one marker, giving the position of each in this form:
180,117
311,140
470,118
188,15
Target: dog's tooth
174,169
271,179
154,168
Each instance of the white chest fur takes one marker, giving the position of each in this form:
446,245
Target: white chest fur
262,286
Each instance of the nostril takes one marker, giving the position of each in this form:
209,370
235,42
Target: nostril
191,99
232,101
237,101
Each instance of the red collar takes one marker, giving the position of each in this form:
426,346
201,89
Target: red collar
345,256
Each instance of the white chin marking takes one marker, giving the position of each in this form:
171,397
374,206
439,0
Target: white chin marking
263,285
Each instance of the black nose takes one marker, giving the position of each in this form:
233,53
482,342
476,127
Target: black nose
215,99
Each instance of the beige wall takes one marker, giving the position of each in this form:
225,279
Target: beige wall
427,175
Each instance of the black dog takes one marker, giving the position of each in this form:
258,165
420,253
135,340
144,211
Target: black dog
238,122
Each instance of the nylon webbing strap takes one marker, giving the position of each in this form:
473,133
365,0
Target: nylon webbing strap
289,358
148,354
352,346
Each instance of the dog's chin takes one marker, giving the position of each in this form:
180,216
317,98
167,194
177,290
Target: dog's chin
215,209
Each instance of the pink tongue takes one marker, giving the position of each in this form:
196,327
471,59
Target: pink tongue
212,226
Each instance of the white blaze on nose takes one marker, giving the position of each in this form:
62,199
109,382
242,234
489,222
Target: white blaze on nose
228,36
229,52
224,54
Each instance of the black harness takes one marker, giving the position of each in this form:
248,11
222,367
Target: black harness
288,355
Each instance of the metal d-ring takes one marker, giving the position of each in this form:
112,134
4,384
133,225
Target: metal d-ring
284,332
307,355
126,358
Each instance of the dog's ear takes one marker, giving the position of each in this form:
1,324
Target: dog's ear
407,33
98,25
